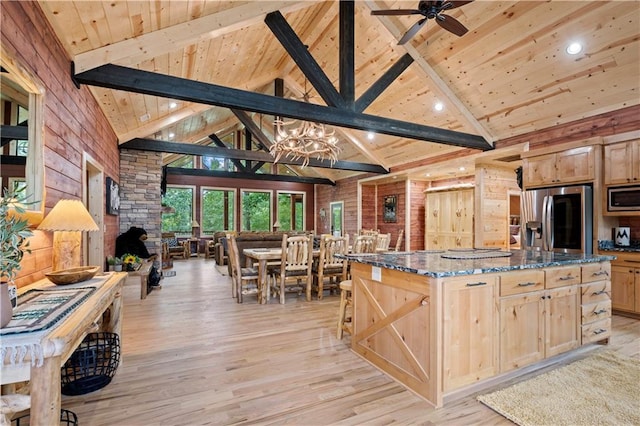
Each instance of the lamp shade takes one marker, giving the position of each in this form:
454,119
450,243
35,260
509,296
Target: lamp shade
195,224
68,215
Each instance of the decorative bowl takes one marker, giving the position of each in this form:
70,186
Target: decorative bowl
72,275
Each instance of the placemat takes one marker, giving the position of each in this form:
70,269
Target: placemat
39,309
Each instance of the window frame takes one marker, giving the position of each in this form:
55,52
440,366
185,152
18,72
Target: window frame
241,204
232,206
183,234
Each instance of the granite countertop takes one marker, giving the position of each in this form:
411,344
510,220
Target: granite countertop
432,264
608,245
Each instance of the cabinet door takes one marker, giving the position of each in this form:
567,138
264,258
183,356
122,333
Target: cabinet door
617,164
637,290
470,326
464,212
562,328
576,165
622,288
521,330
540,170
432,212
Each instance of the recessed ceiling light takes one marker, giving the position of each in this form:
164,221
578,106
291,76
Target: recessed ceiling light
172,105
428,174
370,135
461,169
171,135
439,106
574,48
145,117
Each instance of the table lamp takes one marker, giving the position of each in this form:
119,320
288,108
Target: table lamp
194,225
67,220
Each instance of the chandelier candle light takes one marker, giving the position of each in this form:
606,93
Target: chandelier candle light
304,141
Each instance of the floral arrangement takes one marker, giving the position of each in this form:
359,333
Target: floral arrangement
130,261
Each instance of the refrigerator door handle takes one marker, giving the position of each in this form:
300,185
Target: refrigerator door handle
549,222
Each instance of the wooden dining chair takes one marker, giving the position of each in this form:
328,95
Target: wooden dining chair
295,271
244,281
399,240
328,265
382,242
364,244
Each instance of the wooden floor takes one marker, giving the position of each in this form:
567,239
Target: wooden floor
193,356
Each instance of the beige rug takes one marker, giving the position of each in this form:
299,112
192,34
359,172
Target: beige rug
602,389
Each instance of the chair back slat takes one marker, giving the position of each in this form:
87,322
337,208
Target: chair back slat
364,244
329,247
297,253
382,242
399,241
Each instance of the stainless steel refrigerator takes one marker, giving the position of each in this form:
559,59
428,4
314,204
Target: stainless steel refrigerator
558,219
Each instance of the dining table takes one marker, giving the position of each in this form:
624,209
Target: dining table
263,256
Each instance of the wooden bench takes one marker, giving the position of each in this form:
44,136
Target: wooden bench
141,276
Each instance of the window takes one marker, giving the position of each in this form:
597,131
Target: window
291,211
184,162
218,210
256,210
182,200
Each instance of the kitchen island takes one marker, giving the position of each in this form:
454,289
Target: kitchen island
440,322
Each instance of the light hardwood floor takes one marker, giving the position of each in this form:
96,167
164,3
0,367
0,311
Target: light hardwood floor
193,356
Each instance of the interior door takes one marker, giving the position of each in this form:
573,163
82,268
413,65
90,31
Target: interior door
337,218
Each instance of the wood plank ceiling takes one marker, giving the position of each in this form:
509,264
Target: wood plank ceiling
507,76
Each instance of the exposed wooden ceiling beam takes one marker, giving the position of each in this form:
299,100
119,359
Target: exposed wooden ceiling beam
347,51
300,54
150,45
133,80
383,82
252,176
241,154
439,85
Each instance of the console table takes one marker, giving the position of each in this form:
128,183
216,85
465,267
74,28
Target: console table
38,356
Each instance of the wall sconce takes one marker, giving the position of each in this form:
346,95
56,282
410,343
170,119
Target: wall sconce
194,225
67,220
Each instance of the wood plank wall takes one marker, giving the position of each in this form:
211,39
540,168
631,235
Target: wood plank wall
74,124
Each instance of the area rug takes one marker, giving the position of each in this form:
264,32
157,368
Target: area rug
602,389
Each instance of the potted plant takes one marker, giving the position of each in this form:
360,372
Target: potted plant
131,262
14,232
117,264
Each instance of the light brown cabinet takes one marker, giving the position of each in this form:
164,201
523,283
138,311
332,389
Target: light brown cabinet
625,283
622,163
449,219
547,312
470,326
571,166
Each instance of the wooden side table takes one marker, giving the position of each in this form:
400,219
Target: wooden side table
141,276
194,246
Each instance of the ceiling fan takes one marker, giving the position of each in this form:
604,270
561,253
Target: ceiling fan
430,10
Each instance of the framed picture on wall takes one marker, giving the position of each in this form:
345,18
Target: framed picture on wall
113,197
390,206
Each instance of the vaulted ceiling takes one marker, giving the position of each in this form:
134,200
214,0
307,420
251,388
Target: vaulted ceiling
509,75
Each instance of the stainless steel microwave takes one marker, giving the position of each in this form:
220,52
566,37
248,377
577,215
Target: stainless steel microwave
623,199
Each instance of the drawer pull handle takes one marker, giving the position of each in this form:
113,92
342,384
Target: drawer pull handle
598,293
476,284
595,274
526,284
632,261
601,311
567,278
599,331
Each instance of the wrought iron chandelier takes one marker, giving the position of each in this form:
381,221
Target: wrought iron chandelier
304,140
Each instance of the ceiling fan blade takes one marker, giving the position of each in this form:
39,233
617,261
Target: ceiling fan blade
391,12
451,24
412,31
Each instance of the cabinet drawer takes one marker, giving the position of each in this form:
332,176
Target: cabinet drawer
596,311
521,282
559,277
596,272
596,331
596,292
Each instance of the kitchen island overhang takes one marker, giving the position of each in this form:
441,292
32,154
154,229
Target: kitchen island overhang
440,325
